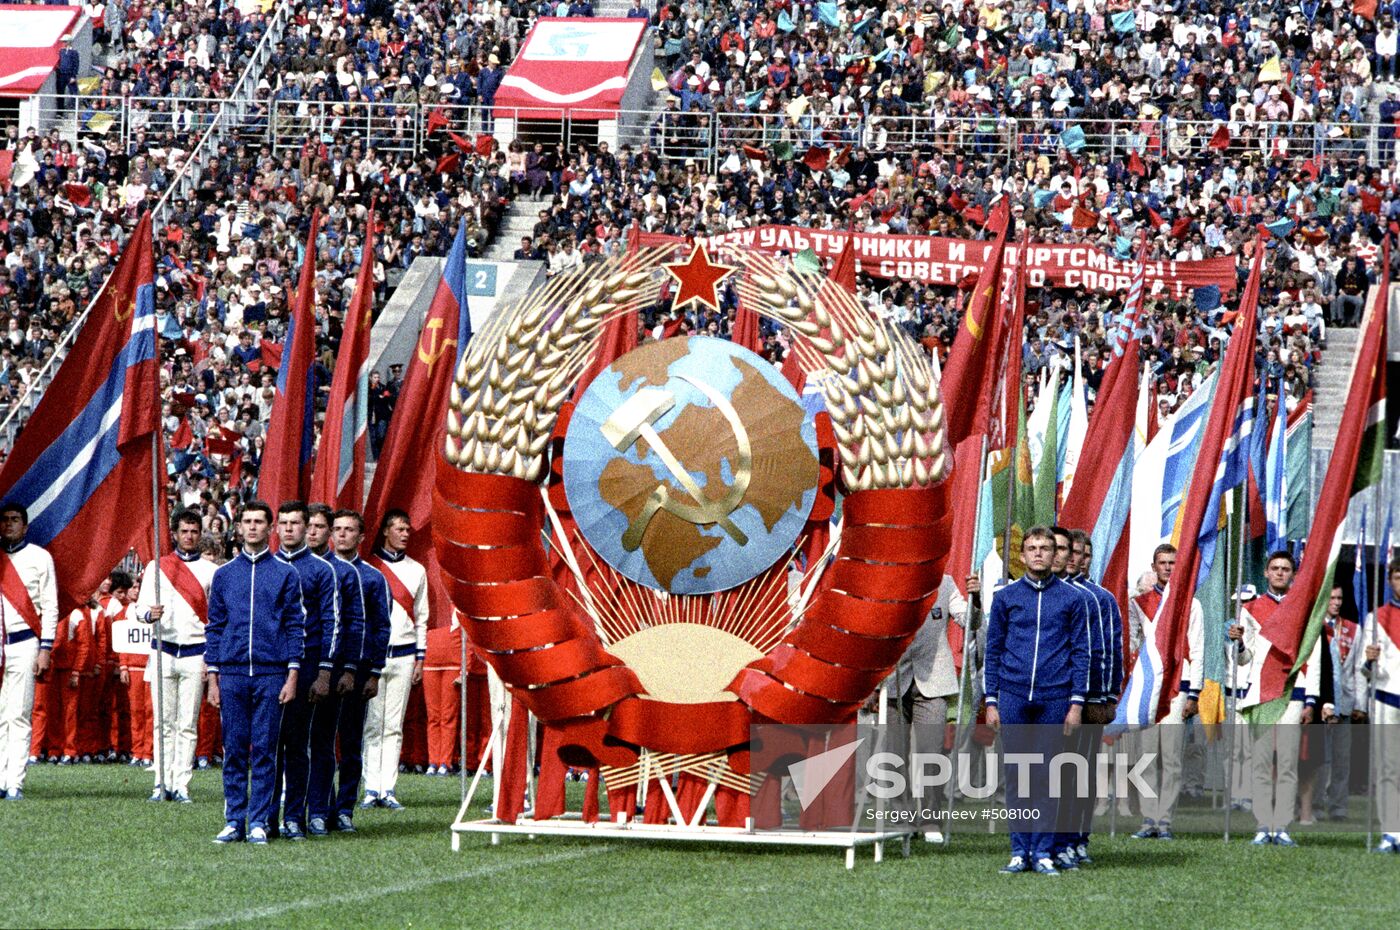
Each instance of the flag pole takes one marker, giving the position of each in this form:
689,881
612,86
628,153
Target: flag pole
970,626
1382,577
162,791
1231,696
162,787
462,716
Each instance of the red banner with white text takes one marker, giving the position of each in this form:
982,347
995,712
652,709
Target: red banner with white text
938,260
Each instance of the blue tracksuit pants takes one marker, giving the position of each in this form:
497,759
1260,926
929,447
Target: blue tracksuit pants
252,724
1031,727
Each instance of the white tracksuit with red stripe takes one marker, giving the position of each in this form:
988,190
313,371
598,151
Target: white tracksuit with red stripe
34,567
1274,749
408,644
1384,674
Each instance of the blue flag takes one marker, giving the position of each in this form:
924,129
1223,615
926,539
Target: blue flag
785,22
1072,139
1207,298
1125,21
828,14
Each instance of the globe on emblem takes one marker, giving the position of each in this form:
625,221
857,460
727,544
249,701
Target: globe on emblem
690,465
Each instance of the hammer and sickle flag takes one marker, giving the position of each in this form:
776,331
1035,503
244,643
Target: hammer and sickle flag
968,367
404,477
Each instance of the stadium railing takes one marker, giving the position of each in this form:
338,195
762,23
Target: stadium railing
239,109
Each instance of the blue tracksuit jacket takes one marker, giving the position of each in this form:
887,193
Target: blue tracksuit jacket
256,618
1106,639
1037,642
366,642
318,596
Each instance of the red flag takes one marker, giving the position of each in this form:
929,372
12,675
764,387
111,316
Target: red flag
1135,165
7,165
816,158
966,371
673,326
1110,434
447,164
485,144
184,436
339,478
407,468
80,195
1289,631
1083,219
746,328
1155,218
1220,139
87,485
218,446
1232,390
843,272
976,215
957,201
270,355
285,471
437,118
754,153
794,372
1181,227
1364,8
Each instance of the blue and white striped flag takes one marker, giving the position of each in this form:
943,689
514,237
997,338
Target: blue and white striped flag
1276,481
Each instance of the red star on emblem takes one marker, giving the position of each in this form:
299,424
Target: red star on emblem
698,277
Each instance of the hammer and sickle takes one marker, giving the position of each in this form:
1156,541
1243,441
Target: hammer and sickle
435,346
633,421
122,317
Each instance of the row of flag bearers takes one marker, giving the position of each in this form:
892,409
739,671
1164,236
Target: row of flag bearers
308,653
1053,672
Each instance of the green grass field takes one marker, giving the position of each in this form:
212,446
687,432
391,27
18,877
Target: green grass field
84,849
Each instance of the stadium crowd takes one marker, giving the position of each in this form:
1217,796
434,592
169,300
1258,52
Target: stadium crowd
1179,130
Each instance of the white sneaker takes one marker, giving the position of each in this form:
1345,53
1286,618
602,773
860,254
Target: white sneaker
1389,843
1281,838
1262,838
933,836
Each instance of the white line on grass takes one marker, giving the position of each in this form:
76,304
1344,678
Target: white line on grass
276,910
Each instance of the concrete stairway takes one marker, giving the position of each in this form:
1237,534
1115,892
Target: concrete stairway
1330,393
519,221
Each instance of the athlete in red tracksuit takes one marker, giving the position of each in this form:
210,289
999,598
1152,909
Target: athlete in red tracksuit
138,702
93,733
73,658
441,681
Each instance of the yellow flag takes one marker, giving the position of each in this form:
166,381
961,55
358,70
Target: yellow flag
101,122
797,108
658,80
1212,709
89,84
1271,71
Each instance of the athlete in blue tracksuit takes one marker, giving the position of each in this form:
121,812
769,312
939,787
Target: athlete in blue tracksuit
1105,620
361,655
253,649
325,709
318,595
1036,673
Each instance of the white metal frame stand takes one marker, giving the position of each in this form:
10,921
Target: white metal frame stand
696,829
